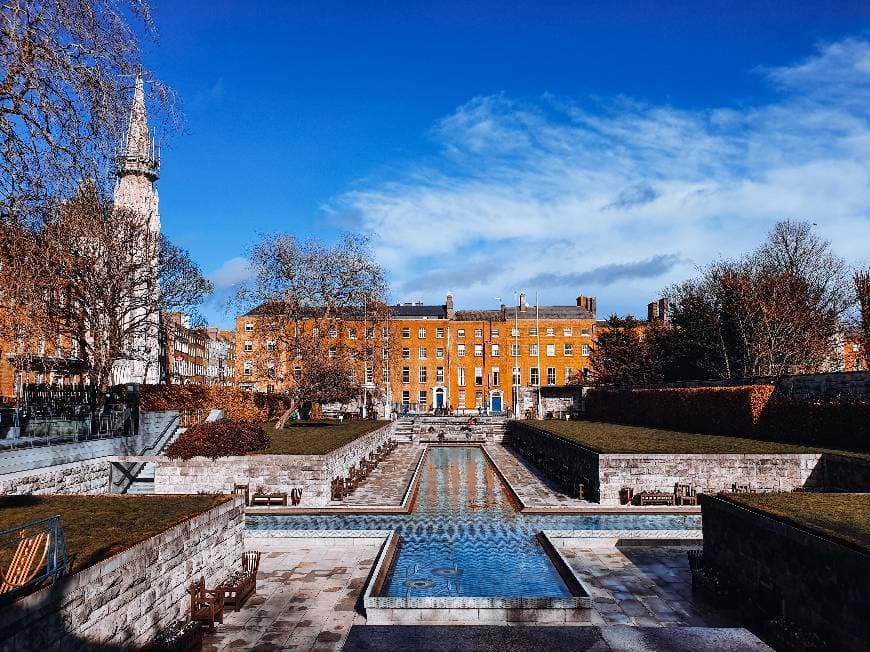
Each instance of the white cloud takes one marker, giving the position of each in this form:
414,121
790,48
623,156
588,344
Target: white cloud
231,273
554,189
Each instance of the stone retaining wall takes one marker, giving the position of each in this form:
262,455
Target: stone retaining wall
708,473
312,474
843,473
779,570
90,477
124,601
485,428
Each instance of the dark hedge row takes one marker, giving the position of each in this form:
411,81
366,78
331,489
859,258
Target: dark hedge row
222,438
745,411
236,403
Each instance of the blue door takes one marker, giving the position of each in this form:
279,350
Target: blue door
439,398
496,403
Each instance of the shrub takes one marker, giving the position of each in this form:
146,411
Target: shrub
733,411
835,423
236,403
221,438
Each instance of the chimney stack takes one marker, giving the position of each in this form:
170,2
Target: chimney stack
663,309
652,311
587,303
592,307
451,312
522,305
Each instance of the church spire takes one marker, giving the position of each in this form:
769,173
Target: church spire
139,155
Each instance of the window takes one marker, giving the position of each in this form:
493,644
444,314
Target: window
422,374
569,349
478,399
460,332
406,397
406,353
551,350
370,376
478,332
515,332
423,396
495,351
406,333
494,332
249,368
568,373
496,376
297,372
585,332
585,373
516,376
460,350
439,374
351,333
385,354
439,353
515,350
333,331
533,349
550,332
534,376
249,346
551,375
270,389
478,350
439,333
406,374
315,331
460,377
462,398
370,333
856,347
332,351
385,375
533,332
249,327
568,331
587,349
478,376
422,353
271,345
385,332
421,333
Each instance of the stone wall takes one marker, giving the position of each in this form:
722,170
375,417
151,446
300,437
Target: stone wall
778,570
312,474
124,601
708,473
90,477
489,429
842,473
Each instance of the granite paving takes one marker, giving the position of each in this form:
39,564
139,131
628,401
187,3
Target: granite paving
532,487
649,586
306,598
386,485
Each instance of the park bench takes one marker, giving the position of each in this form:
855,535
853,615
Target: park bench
685,494
737,488
238,587
339,489
277,498
656,498
206,605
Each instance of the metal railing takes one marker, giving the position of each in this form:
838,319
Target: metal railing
30,555
30,427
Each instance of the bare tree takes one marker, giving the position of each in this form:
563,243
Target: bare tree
66,71
862,290
98,277
321,318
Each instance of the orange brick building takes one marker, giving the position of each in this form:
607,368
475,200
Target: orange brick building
440,357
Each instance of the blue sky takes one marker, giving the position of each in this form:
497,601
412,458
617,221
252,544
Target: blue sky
604,148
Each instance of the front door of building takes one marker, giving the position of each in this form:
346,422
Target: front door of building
496,402
439,398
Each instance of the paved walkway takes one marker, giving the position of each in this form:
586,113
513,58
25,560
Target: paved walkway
647,586
306,597
532,487
386,485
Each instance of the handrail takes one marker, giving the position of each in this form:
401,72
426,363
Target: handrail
160,439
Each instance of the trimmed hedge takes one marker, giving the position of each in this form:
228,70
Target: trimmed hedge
222,438
236,403
733,411
744,411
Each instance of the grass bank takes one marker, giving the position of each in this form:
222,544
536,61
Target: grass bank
315,437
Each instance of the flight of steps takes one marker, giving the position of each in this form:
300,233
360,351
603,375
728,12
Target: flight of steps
153,424
456,429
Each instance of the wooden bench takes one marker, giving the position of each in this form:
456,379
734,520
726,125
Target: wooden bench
206,605
685,494
656,498
278,498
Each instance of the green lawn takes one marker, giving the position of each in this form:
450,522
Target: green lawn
97,527
844,518
618,438
315,437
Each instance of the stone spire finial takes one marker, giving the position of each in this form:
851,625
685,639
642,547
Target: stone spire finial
139,156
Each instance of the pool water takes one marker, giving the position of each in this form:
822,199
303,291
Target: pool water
465,538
